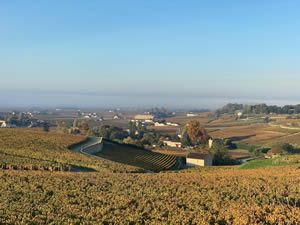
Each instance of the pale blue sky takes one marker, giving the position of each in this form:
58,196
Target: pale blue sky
97,53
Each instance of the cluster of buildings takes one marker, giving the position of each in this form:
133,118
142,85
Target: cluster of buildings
149,120
29,124
90,115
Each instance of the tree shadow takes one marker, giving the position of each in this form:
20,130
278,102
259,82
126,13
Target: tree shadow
239,138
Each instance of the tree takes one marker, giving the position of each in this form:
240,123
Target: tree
196,133
111,132
83,127
103,131
132,128
61,127
131,141
45,127
174,137
149,138
267,119
185,140
90,132
141,129
220,155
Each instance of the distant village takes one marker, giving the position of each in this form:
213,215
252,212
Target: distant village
24,119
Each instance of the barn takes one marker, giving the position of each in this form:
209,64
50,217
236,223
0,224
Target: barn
199,159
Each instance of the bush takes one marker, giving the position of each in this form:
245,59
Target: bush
282,149
220,155
260,151
245,146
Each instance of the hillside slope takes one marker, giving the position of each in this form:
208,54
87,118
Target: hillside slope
38,150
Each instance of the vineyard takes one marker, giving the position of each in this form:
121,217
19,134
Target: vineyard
37,150
138,157
32,193
215,195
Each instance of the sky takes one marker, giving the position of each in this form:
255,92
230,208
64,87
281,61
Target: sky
172,53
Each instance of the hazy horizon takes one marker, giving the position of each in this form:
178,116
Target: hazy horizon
149,53
34,99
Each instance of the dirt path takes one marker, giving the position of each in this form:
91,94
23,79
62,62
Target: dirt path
289,135
284,127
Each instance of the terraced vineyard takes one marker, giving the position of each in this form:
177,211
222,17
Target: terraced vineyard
138,157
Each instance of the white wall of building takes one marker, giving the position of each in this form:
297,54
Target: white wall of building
190,162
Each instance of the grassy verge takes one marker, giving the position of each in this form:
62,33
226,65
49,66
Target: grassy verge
279,161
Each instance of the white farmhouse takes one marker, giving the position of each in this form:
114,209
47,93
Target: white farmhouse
173,144
172,124
198,159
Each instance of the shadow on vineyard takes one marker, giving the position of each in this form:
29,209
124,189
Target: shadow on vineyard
146,159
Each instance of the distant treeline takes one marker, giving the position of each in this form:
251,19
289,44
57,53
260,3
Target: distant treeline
258,109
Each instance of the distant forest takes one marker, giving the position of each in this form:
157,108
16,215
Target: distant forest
259,109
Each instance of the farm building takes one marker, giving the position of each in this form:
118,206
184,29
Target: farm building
173,144
144,117
2,123
172,124
157,124
198,159
116,117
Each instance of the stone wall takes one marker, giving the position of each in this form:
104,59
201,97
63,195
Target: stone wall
94,148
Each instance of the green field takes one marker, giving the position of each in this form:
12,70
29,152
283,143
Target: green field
146,159
274,162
